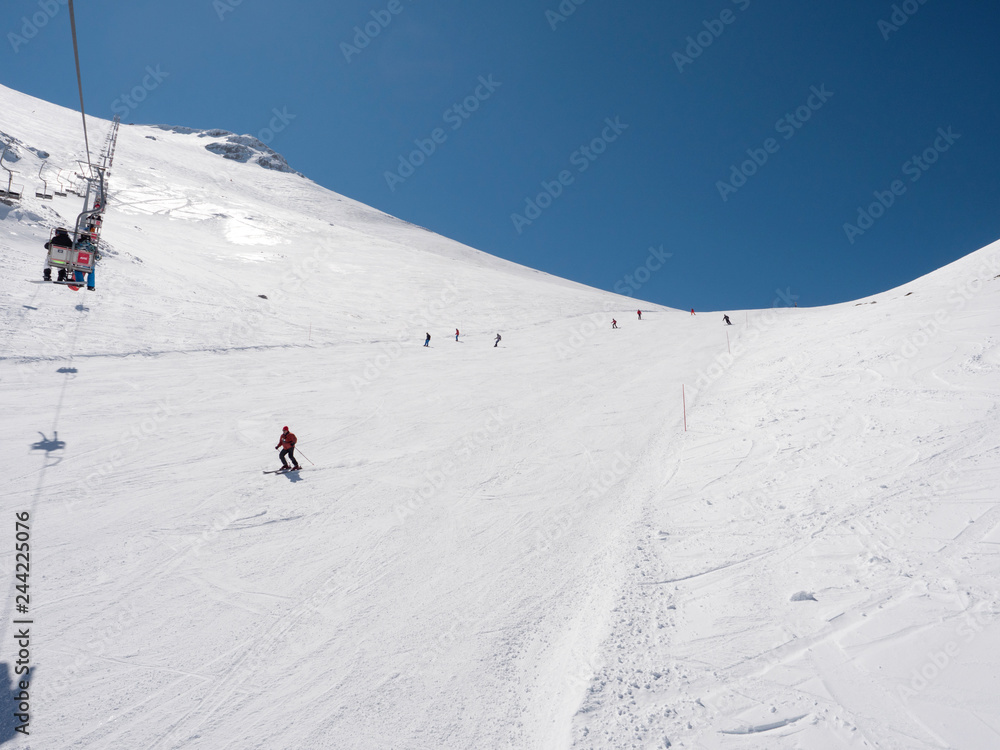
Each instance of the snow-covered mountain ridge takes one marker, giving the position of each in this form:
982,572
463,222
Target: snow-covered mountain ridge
515,546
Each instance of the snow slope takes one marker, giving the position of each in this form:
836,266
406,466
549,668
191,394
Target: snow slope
510,547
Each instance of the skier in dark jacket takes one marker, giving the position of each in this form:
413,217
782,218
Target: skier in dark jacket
427,341
287,443
497,341
727,320
61,239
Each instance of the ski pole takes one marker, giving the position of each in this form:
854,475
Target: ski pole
305,457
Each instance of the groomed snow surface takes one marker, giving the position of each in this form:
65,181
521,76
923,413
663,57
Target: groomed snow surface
489,547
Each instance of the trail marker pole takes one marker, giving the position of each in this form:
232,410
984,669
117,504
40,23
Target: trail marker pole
728,347
685,406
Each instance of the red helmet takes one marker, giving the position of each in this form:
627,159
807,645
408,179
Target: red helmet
285,428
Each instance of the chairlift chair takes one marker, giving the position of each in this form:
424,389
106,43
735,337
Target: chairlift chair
44,193
12,190
71,259
61,190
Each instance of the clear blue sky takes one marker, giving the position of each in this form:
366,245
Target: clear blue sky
230,64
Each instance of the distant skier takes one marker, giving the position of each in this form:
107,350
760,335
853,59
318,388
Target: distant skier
427,341
692,311
614,323
495,343
728,321
287,443
456,334
639,313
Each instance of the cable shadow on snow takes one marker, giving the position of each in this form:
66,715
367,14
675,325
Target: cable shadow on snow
10,700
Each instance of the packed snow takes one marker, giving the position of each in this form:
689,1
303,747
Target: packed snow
783,533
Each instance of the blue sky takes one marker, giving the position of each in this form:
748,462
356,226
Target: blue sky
743,134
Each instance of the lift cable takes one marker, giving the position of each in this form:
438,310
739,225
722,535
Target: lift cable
79,81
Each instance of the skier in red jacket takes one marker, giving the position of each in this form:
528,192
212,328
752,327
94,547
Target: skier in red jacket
287,443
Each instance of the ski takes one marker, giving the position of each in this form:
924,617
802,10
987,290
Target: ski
283,471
